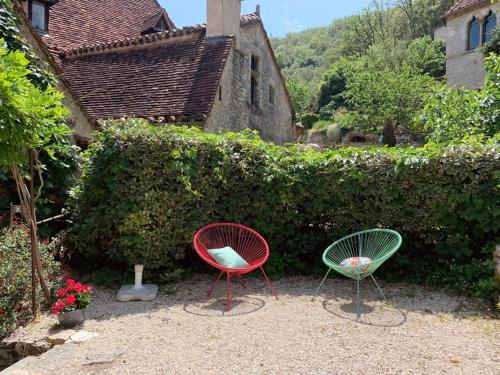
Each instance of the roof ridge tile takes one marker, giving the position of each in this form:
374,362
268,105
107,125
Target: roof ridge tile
246,19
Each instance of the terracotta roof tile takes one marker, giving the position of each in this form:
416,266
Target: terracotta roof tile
462,5
162,80
78,22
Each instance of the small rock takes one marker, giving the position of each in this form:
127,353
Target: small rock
81,336
97,357
29,347
7,354
454,360
60,337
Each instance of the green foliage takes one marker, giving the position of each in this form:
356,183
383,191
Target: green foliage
15,278
309,119
380,94
331,90
307,55
348,119
146,190
9,31
453,113
321,124
300,95
426,56
108,278
334,133
57,153
29,117
493,46
390,80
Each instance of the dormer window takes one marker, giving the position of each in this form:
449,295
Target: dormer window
158,22
39,15
161,25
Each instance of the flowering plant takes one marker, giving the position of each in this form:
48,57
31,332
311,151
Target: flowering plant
74,296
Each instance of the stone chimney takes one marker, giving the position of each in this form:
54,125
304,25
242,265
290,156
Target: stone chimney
223,17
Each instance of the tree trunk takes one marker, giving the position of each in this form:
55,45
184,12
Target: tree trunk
27,201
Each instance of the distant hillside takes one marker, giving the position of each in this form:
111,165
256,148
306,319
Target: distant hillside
305,56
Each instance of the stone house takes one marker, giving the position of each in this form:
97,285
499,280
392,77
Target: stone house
467,26
126,58
79,120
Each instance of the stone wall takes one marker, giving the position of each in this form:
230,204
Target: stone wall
234,111
464,67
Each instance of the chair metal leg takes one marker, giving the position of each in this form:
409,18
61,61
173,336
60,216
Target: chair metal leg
378,287
228,292
320,285
357,300
209,293
269,283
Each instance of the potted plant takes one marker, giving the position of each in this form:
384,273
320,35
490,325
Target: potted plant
73,300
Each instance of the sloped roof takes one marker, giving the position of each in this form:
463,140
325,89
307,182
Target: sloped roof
74,23
463,5
169,78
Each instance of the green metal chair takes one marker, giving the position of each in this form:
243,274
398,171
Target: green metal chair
358,256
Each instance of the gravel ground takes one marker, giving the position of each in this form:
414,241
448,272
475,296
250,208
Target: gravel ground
419,332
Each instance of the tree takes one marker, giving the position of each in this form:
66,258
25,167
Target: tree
422,16
378,94
332,89
31,119
300,95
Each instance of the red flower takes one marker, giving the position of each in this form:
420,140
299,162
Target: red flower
70,283
78,287
70,300
62,292
58,307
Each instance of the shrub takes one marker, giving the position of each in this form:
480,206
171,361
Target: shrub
334,133
145,191
454,113
322,124
15,278
309,119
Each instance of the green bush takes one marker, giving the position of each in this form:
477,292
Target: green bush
145,191
451,114
15,278
334,133
309,119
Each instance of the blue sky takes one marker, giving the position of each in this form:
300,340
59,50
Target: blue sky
280,16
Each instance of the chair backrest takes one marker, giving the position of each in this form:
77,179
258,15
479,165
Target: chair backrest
376,244
249,244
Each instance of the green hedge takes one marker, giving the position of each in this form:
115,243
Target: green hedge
15,278
145,191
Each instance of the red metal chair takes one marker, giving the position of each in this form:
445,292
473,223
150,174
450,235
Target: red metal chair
250,245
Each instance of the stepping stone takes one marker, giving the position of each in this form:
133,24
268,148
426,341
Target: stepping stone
82,336
127,293
60,337
98,357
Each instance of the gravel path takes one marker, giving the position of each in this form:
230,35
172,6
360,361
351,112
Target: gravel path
419,332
